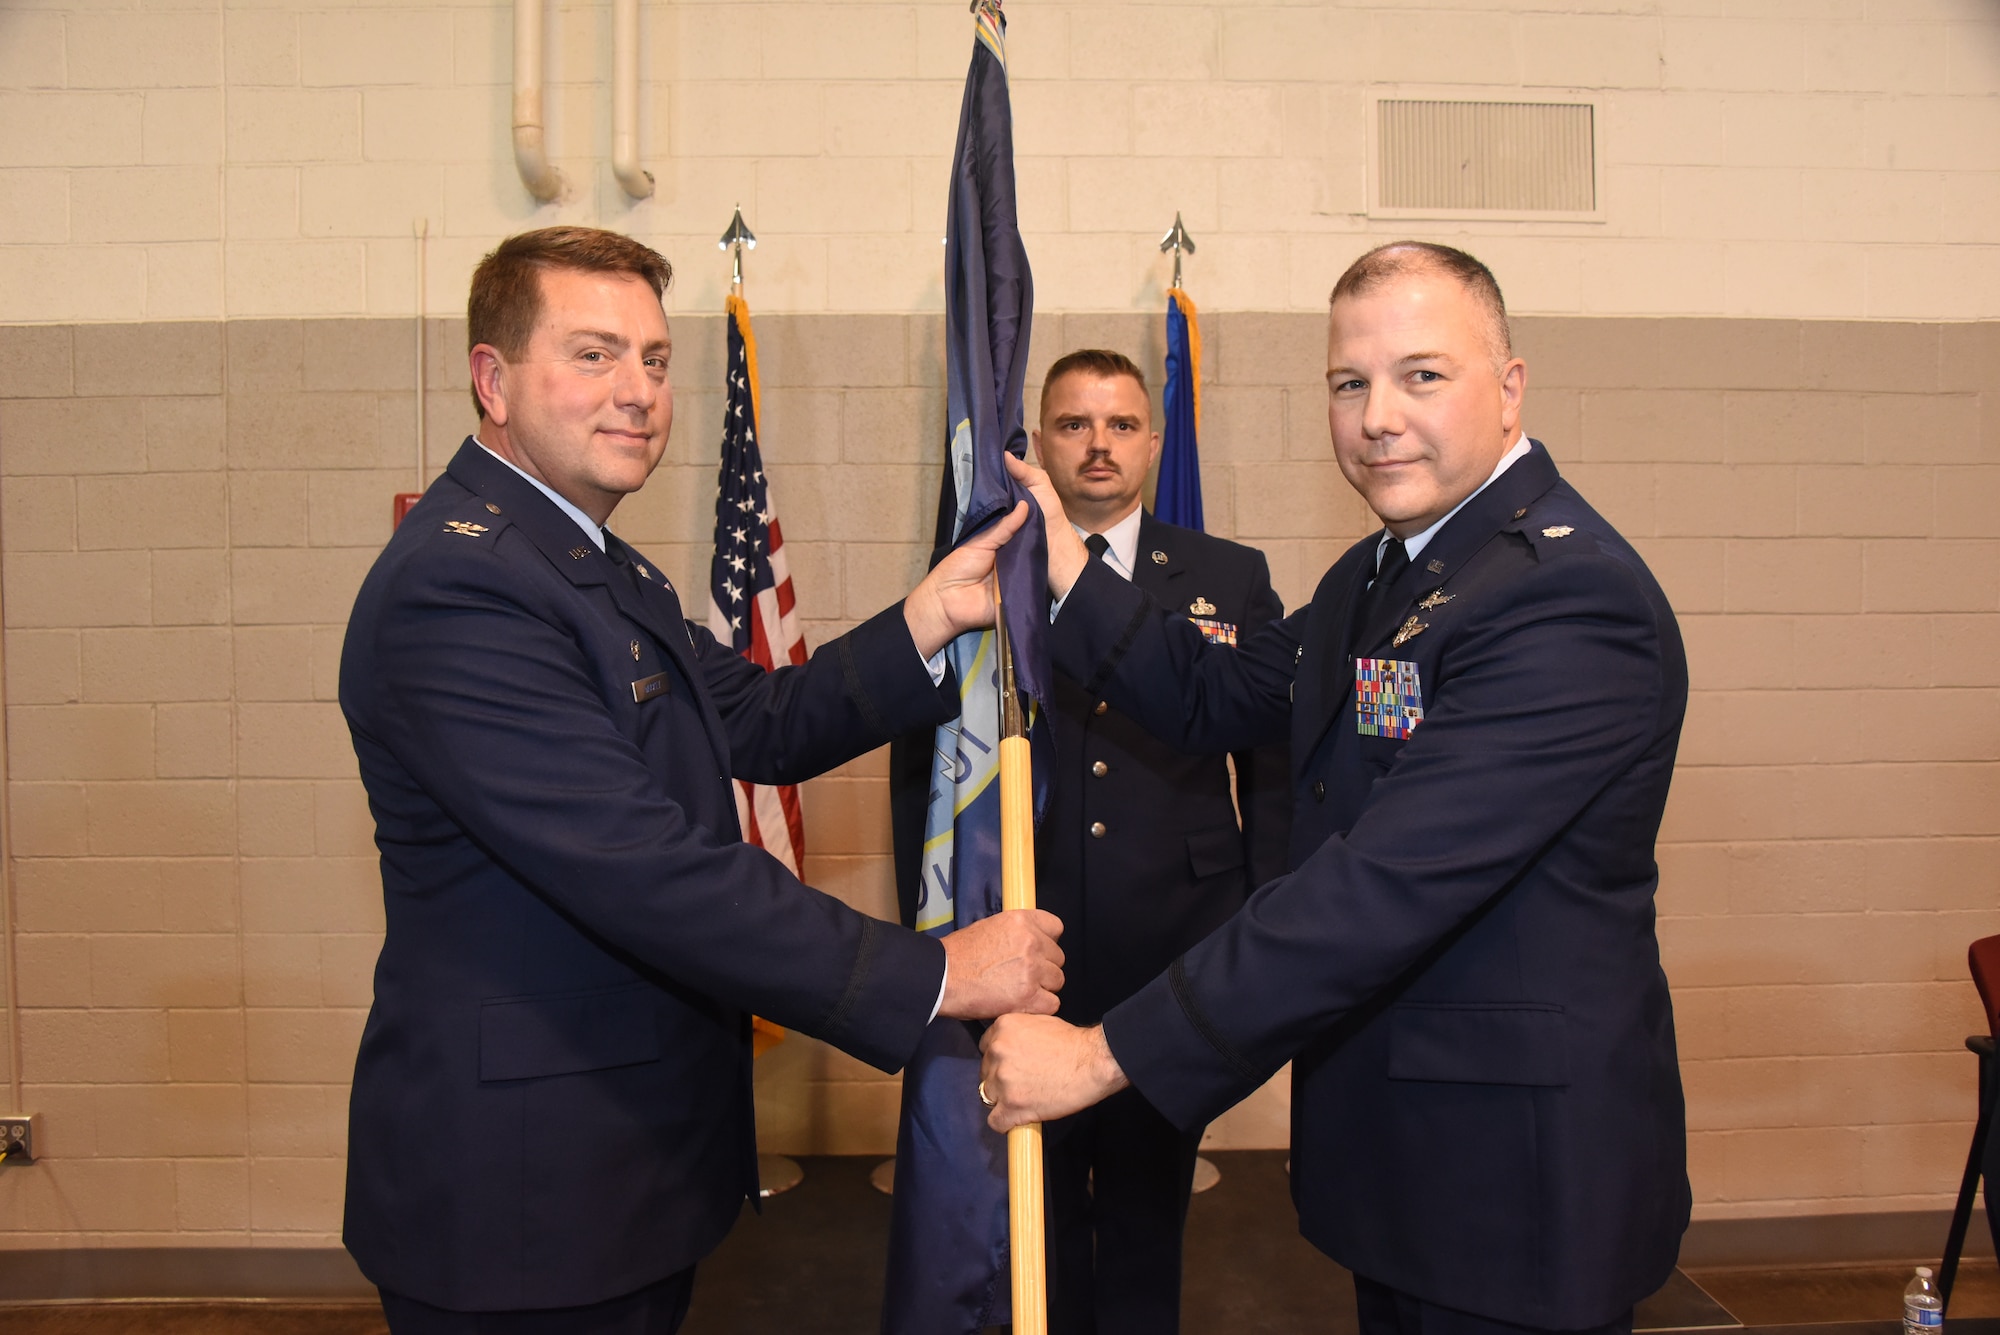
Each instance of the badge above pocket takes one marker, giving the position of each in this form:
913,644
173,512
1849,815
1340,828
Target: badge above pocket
1388,697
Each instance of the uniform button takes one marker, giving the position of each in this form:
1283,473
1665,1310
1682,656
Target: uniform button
1102,705
1319,790
1100,769
1097,829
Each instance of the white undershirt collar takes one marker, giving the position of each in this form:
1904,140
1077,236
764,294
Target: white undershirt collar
583,521
1122,553
1417,542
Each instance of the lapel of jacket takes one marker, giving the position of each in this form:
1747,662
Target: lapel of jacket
1454,545
649,600
1330,637
570,550
1448,551
1159,578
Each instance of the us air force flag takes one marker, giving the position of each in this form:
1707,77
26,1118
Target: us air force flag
948,1263
1178,500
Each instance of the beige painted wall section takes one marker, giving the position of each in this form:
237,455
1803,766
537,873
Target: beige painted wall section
189,508
1757,157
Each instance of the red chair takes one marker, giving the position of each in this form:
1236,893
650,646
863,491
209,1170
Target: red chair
1983,957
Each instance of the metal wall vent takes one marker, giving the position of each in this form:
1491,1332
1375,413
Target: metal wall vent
1507,157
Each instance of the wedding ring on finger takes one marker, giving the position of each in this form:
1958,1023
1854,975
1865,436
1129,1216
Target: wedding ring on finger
984,1097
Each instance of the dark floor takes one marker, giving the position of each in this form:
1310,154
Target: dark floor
813,1262
1844,1293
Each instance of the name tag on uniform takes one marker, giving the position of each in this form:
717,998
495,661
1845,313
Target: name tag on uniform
1388,697
1215,632
646,688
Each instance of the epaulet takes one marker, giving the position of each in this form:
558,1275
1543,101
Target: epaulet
1552,533
473,520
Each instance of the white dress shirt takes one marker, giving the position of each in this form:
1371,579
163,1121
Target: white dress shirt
1122,553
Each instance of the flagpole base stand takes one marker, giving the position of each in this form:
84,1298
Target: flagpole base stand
883,1179
1206,1174
777,1175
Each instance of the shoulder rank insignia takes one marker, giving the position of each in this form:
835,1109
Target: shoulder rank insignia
1410,630
464,529
1435,599
1558,531
1201,607
643,572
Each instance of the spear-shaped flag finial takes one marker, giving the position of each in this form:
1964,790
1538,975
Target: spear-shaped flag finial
1179,242
738,239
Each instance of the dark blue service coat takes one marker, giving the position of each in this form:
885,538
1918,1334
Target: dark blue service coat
551,1103
1140,852
1487,1107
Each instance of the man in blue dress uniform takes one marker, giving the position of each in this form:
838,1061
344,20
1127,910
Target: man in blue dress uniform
1483,701
551,1118
1140,851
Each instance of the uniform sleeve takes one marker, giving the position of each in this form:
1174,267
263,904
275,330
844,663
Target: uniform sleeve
1540,707
1194,696
855,694
1263,773
490,706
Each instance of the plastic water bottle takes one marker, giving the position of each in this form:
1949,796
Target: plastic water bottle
1923,1310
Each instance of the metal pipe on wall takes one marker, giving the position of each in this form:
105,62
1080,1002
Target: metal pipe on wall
11,995
531,153
635,181
423,231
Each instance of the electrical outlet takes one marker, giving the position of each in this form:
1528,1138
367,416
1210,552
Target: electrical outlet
18,1136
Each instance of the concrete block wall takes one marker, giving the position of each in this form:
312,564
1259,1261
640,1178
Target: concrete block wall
189,507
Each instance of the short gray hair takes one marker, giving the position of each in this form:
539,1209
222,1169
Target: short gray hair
1398,258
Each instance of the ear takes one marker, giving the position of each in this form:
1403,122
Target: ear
1035,439
489,381
1513,390
1153,459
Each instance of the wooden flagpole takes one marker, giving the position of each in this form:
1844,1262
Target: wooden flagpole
1017,891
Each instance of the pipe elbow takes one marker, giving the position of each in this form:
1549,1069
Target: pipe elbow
632,179
531,157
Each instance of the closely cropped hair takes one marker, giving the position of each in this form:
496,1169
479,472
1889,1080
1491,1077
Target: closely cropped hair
1398,258
1099,362
506,295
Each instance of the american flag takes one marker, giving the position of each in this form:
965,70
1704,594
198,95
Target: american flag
751,606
